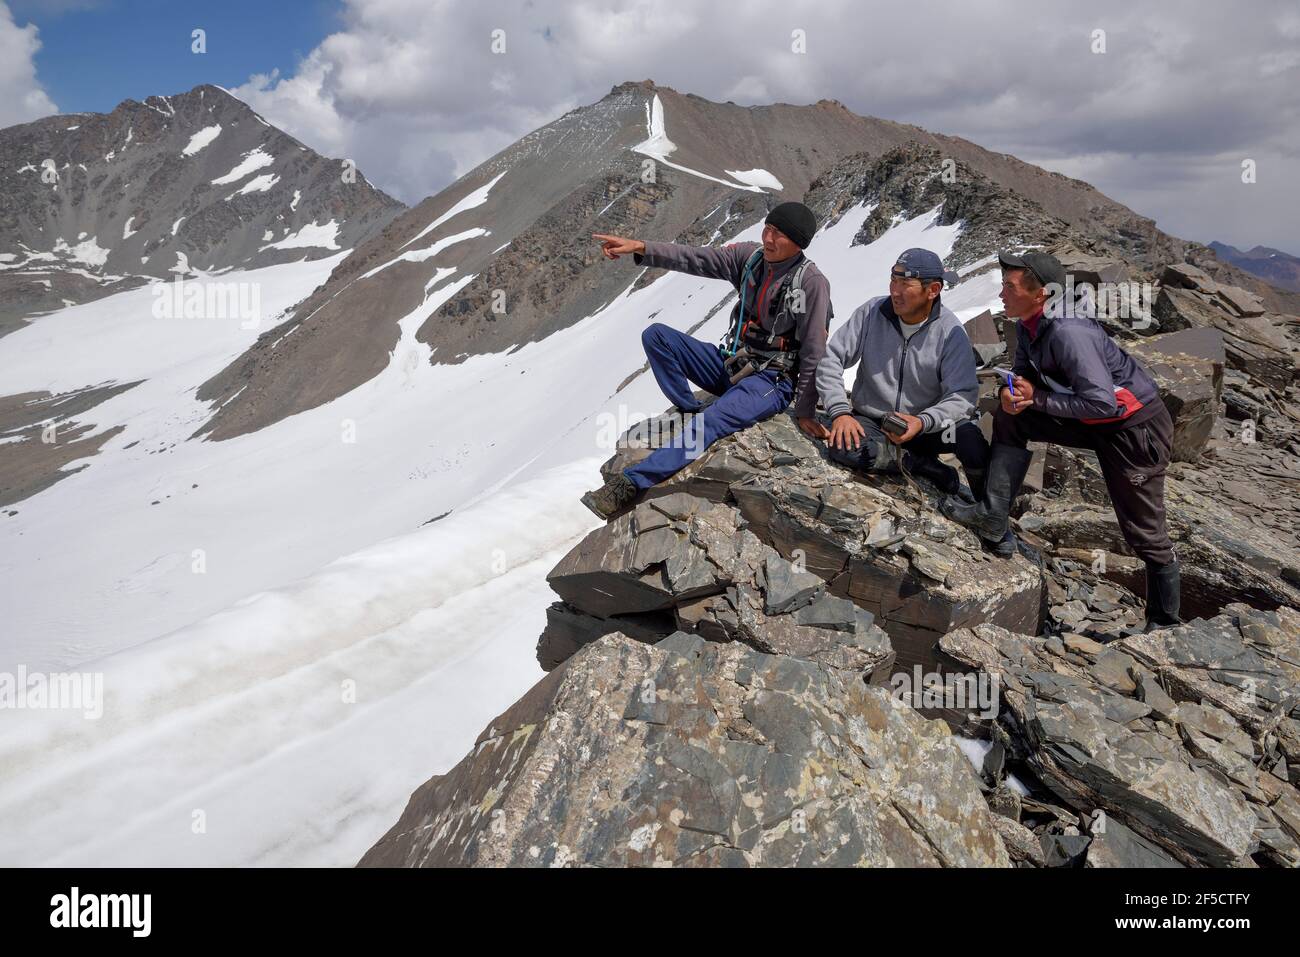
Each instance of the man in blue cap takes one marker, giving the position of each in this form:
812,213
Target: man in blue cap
915,361
775,338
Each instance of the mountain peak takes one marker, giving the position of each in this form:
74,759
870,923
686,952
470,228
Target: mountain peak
92,203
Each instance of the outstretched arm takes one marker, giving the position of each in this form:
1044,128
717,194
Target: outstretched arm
611,247
711,262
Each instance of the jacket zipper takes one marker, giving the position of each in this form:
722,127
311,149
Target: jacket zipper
902,367
902,363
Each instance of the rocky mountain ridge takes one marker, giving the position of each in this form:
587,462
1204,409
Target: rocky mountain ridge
191,184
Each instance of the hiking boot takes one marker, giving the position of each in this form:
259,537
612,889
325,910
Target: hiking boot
943,477
611,497
1163,587
989,518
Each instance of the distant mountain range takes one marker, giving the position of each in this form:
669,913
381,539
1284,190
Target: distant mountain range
1279,268
94,203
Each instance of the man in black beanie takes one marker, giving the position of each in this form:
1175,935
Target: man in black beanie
775,339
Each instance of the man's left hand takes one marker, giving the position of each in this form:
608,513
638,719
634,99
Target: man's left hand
814,428
914,427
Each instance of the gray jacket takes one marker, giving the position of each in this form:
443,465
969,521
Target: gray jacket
728,262
931,375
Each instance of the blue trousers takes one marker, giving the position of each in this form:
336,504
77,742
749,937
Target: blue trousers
677,360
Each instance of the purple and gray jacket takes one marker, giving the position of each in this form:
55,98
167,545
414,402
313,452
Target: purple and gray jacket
1084,374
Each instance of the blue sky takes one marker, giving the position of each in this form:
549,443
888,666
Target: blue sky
96,53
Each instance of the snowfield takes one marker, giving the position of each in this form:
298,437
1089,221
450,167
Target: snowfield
289,642
201,139
325,236
253,160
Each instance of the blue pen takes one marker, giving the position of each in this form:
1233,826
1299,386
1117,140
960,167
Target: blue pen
1010,388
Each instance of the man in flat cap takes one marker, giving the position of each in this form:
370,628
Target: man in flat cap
1072,385
775,338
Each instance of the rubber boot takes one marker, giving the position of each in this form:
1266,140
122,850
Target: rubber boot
944,477
990,518
1163,587
976,478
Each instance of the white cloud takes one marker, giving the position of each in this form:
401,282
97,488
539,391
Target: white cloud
412,91
21,97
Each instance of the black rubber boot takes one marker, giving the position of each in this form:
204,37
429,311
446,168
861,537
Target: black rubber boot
990,518
976,478
944,477
1005,547
611,497
1163,588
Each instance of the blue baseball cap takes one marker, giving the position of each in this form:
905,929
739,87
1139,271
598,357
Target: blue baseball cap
924,265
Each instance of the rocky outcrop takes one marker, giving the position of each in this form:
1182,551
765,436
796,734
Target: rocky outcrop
1190,299
1230,550
1188,368
1177,746
696,558
695,753
875,540
911,179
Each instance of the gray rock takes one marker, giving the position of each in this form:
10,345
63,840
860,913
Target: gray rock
1063,850
1114,845
933,579
694,561
787,588
985,337
1096,748
1021,843
1187,276
1188,368
1252,345
692,753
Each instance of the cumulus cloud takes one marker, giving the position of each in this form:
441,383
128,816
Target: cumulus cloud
21,97
1161,120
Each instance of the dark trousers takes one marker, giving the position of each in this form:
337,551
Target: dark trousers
677,360
1133,461
968,443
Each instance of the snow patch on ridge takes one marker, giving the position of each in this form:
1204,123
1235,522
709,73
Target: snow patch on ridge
476,198
254,159
200,139
324,236
658,146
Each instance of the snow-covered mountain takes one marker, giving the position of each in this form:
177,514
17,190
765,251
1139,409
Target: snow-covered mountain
309,559
644,160
94,203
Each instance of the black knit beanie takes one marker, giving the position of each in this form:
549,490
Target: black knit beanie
795,220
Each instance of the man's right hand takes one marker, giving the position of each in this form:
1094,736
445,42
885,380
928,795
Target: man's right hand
846,432
1015,401
614,246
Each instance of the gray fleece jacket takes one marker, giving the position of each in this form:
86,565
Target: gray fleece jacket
931,375
728,262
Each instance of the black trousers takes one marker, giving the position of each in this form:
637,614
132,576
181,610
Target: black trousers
1133,461
968,444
